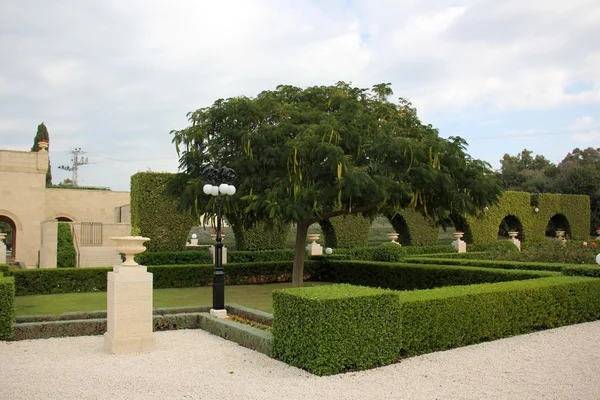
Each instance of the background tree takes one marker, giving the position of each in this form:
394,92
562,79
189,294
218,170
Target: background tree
526,173
307,155
42,134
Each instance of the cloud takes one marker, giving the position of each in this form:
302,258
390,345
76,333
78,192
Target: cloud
585,130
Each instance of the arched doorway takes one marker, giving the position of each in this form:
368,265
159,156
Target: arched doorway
8,226
461,224
401,227
558,223
510,223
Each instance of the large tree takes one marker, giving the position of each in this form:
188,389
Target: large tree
527,173
42,135
306,155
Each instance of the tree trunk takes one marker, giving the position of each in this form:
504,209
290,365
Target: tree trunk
299,251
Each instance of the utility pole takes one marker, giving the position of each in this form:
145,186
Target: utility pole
77,161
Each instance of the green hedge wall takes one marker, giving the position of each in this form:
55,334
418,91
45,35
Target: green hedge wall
346,231
155,215
532,266
7,307
576,208
325,329
582,270
328,329
68,280
262,235
66,256
420,230
204,257
403,276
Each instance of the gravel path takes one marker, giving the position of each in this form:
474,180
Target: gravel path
561,364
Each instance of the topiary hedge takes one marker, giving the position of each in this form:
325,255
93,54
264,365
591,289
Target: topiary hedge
7,307
575,208
328,329
204,257
404,276
414,228
155,215
346,231
262,235
66,256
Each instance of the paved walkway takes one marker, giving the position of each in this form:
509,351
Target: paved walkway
561,364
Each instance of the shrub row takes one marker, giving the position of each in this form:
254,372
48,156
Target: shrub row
582,270
330,329
403,276
7,309
69,280
204,257
366,253
533,266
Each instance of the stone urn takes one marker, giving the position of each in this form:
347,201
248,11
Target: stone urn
458,235
513,234
130,246
43,146
393,236
559,233
314,237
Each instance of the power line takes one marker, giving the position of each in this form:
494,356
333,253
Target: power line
74,168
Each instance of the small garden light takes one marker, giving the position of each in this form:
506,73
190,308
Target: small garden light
329,250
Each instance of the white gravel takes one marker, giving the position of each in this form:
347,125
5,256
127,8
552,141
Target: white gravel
561,364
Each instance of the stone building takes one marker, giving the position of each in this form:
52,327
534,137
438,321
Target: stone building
33,211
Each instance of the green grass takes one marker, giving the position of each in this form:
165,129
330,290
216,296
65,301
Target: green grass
252,296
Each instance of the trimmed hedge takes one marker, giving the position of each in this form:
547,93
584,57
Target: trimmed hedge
346,231
51,281
366,253
204,257
403,276
328,329
532,266
582,270
414,228
66,256
7,306
262,235
157,216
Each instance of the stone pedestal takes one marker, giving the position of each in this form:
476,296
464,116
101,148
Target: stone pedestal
460,245
314,248
193,242
2,249
129,310
516,242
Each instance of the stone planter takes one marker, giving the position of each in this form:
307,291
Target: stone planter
559,234
43,146
130,246
458,235
513,234
393,237
314,237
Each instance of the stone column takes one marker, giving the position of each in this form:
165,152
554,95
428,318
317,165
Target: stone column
49,242
129,302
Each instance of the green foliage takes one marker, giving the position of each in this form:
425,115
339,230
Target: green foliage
366,253
582,270
487,263
204,257
406,276
388,252
414,228
492,311
308,155
329,329
42,135
69,280
7,306
157,216
66,256
346,231
485,226
325,330
260,235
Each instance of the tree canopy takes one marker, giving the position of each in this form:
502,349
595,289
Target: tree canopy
42,135
305,155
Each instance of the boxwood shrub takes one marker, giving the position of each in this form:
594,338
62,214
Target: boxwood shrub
328,329
403,276
7,309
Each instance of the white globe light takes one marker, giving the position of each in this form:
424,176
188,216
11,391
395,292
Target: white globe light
598,258
214,190
223,188
231,190
328,250
207,189
194,236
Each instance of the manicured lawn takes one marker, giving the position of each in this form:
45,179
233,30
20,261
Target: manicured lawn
253,296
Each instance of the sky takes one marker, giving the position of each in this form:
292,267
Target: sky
115,77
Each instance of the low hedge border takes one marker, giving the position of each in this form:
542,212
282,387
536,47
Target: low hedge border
406,276
73,280
242,334
203,256
324,329
532,266
582,270
7,305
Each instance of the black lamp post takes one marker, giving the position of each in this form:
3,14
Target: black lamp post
218,175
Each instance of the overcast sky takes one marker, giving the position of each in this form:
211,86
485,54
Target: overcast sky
114,77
